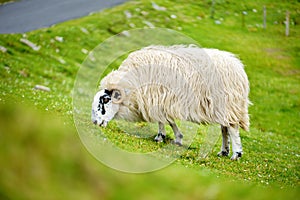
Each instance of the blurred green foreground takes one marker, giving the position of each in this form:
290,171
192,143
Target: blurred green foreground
43,159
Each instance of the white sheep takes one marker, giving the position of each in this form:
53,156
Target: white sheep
167,83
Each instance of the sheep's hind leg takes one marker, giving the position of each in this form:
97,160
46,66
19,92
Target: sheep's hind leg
177,133
225,142
161,133
237,151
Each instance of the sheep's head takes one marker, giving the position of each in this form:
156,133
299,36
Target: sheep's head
105,106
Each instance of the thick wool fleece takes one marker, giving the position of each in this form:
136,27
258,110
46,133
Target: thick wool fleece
161,84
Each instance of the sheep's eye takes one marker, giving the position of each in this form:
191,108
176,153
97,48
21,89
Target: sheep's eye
105,100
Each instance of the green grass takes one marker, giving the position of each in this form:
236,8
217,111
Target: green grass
39,146
5,1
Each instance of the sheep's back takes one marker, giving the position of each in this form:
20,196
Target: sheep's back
179,82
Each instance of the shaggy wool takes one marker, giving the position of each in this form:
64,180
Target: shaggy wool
165,83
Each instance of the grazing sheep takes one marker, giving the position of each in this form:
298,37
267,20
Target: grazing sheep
165,83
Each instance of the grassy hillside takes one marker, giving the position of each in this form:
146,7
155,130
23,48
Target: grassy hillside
40,152
4,1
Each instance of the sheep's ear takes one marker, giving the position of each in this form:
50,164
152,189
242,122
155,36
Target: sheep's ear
117,96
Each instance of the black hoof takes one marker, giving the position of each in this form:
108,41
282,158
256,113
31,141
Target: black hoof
236,155
159,137
177,143
223,153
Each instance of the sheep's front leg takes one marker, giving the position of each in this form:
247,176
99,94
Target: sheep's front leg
161,133
236,142
225,142
177,133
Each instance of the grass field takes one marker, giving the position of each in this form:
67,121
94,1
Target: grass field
41,155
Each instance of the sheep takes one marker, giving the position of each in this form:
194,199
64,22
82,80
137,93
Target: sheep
180,82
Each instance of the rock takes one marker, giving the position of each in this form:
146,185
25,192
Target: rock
30,44
125,33
3,49
85,51
149,24
59,39
157,7
127,14
42,87
84,30
173,16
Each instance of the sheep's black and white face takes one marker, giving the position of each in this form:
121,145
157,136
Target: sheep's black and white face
104,107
